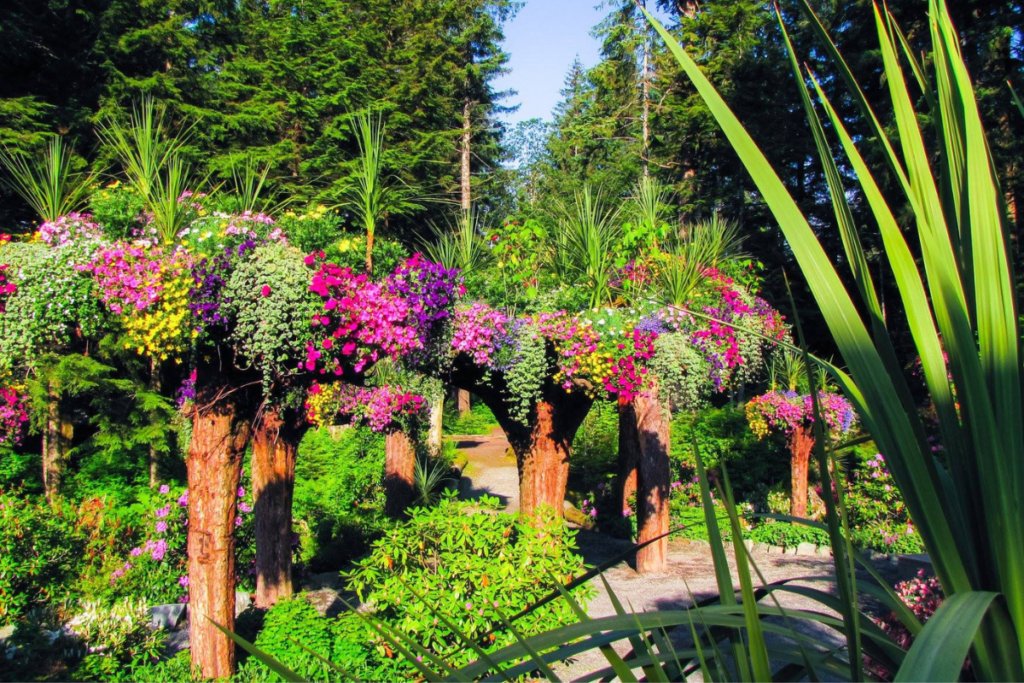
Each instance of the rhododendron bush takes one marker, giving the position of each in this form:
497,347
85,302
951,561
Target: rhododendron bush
157,568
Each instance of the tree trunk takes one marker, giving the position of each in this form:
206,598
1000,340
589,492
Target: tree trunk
220,432
399,473
543,443
543,447
369,250
274,447
154,454
434,434
544,469
629,454
465,407
57,434
645,95
654,426
467,138
800,443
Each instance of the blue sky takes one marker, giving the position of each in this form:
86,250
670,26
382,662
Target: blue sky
542,42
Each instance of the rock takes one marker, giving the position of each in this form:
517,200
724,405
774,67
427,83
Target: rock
242,602
168,617
759,548
176,641
326,602
806,549
908,566
823,550
789,551
748,544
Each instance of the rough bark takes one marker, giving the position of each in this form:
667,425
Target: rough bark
800,443
220,431
274,447
654,427
399,473
369,252
434,434
467,137
629,453
58,432
542,445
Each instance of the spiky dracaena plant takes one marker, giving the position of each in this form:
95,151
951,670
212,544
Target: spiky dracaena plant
48,183
144,143
459,245
586,241
374,192
698,247
962,313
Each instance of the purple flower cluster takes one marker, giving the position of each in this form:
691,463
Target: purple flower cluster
429,289
209,277
651,323
187,391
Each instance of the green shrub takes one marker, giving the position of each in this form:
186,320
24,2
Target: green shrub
723,435
113,638
41,554
118,208
468,566
479,420
787,535
879,518
339,495
691,517
288,623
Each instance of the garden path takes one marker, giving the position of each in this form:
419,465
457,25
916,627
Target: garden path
491,469
690,572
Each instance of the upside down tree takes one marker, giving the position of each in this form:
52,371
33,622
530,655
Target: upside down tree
792,414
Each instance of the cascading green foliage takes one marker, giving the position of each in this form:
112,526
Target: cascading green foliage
268,297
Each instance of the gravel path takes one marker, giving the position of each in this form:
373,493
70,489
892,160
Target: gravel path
491,470
690,570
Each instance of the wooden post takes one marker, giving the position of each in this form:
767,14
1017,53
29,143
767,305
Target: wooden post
654,423
801,443
275,445
399,473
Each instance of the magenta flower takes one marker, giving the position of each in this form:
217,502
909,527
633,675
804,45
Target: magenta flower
165,489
